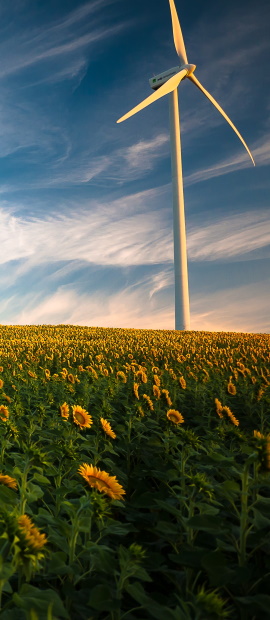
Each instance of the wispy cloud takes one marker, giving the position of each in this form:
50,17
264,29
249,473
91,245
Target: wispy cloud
56,50
134,161
129,307
122,232
125,232
244,309
142,154
65,36
231,237
260,151
68,167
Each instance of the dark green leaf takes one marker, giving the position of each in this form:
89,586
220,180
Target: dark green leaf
101,599
257,603
30,597
215,564
207,523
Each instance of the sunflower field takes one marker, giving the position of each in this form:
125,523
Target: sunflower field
134,475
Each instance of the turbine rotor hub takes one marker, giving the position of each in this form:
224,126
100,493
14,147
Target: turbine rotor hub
190,69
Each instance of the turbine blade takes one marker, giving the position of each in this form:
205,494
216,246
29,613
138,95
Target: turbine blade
166,88
177,35
215,103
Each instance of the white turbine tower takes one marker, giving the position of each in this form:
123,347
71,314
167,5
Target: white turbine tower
163,84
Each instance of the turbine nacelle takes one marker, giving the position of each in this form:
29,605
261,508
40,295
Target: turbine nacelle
157,81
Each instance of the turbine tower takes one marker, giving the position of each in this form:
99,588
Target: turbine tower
167,83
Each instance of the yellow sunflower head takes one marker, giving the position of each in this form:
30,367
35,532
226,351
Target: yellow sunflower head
121,375
174,416
156,391
107,428
231,388
136,390
81,417
101,481
64,410
219,408
4,413
258,435
34,539
32,374
6,397
8,481
182,382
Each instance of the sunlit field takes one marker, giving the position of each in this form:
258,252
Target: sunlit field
134,477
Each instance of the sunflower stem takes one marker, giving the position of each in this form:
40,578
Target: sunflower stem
3,449
130,610
2,581
23,486
73,540
190,529
183,463
243,517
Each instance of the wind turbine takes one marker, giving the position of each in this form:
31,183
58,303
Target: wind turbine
163,84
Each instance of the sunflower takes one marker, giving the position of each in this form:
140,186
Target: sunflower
101,481
33,537
136,390
6,397
4,413
107,428
141,374
167,396
231,388
121,375
156,391
8,481
149,402
260,393
175,416
32,374
64,410
92,370
182,382
231,416
1,383
219,407
81,417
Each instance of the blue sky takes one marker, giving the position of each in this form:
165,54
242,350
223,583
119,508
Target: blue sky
85,204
